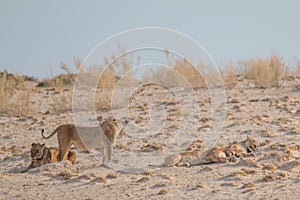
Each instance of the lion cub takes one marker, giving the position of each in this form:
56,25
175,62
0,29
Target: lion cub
42,155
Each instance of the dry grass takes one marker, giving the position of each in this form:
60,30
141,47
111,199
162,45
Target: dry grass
59,81
297,73
62,104
14,99
190,73
17,105
115,67
267,72
112,71
9,82
63,80
103,100
181,73
229,75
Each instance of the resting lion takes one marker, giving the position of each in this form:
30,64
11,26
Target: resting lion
216,155
245,148
191,158
42,155
67,135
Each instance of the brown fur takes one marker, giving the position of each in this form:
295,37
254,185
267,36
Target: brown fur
215,155
245,148
67,136
42,155
55,151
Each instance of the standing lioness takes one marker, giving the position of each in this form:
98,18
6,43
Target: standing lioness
84,137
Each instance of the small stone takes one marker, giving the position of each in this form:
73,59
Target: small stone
111,176
201,185
270,167
268,178
143,180
163,191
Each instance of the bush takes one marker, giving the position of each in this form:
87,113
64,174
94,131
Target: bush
266,72
60,81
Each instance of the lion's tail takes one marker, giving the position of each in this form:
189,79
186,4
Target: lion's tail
47,137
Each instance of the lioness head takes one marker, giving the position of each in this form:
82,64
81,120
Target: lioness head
37,150
112,128
118,124
251,144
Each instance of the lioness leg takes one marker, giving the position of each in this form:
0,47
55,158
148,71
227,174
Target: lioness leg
63,151
32,165
72,156
109,150
106,151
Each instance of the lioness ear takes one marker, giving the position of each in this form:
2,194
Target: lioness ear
249,137
100,118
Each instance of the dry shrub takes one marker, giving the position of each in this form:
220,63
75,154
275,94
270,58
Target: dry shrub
105,88
117,66
108,79
103,100
59,81
62,80
184,74
164,76
298,69
180,74
14,99
112,70
17,105
266,72
9,82
192,75
229,75
62,104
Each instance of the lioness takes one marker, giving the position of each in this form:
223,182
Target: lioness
191,158
215,155
68,135
52,155
245,148
42,155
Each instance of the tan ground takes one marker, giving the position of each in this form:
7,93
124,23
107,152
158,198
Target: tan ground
272,116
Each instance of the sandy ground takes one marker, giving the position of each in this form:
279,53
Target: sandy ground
162,124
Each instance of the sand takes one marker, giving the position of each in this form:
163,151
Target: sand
162,124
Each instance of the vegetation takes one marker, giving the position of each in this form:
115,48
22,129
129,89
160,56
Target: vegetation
265,72
12,103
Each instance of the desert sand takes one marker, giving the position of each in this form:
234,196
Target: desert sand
270,115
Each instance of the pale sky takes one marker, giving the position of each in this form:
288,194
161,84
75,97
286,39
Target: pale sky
36,35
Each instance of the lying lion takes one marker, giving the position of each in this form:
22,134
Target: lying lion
216,155
42,155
